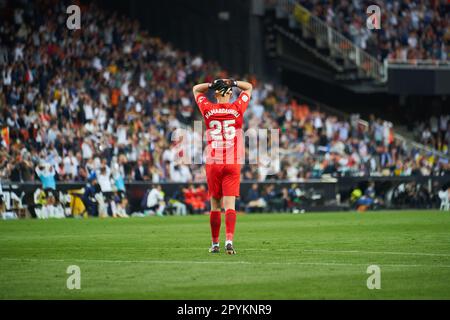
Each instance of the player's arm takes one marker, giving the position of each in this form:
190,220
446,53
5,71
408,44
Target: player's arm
245,95
245,86
199,89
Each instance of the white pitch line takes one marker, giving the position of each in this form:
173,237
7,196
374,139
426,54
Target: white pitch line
224,262
427,254
382,252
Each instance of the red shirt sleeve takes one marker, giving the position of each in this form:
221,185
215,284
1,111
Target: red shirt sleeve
242,101
202,102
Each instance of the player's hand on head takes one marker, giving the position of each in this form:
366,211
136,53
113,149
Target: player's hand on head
218,85
230,82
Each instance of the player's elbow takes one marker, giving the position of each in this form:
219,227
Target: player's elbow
249,89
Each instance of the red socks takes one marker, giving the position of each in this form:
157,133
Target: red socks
230,222
214,221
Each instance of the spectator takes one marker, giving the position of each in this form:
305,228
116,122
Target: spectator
410,30
195,198
104,179
73,103
155,200
89,199
176,202
118,206
255,203
46,174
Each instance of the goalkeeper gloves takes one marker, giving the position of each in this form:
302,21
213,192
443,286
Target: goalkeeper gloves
223,86
218,85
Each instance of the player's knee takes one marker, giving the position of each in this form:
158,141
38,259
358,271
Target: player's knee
215,204
229,203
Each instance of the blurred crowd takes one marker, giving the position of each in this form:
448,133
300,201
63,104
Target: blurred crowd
102,103
410,29
329,146
434,132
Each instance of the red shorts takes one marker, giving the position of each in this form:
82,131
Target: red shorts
223,179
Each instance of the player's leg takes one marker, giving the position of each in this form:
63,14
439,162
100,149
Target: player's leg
229,203
215,221
230,187
215,191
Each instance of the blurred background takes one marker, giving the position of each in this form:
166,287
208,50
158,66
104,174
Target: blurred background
87,115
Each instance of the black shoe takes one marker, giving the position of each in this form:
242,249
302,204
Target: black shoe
230,249
214,249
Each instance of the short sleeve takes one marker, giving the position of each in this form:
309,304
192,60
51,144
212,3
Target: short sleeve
242,101
202,102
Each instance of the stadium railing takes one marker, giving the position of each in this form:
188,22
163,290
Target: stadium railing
336,42
416,63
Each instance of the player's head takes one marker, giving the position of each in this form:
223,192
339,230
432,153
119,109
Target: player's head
223,96
223,90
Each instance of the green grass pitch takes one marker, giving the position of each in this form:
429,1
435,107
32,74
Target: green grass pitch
279,256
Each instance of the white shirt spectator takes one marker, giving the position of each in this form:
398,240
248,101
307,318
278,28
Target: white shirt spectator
426,134
86,150
154,197
329,127
104,180
443,122
18,16
292,172
124,89
101,115
168,155
52,135
70,165
186,175
18,52
343,131
97,63
180,173
88,111
412,41
257,109
7,79
122,135
185,101
197,62
318,124
434,124
142,82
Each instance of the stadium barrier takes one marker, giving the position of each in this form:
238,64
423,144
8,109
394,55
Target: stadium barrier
317,195
419,77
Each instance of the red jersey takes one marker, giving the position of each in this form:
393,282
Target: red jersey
224,132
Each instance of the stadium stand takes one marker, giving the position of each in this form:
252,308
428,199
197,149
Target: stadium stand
412,30
111,95
434,131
